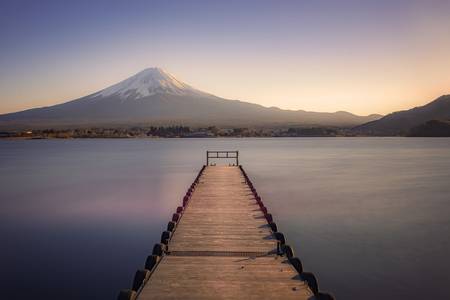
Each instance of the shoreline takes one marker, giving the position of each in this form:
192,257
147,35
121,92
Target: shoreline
216,137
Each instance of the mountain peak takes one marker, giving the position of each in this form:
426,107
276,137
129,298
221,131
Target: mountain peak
153,71
148,82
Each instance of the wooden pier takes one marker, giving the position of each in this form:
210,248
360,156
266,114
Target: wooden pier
222,244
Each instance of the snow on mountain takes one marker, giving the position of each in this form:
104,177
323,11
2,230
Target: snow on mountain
154,97
148,82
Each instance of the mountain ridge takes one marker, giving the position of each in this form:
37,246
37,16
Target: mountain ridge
401,122
154,96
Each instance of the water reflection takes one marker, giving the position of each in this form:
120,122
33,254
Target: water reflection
368,216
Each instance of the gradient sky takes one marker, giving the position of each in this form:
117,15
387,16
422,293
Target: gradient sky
360,56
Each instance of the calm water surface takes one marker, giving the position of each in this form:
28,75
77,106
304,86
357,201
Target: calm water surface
369,216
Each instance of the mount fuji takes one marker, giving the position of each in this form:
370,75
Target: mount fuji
155,97
150,82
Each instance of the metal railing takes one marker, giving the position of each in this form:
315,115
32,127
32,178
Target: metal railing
222,154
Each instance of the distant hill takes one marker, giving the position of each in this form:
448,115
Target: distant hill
402,122
154,97
436,128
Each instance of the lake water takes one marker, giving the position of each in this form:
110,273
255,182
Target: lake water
369,216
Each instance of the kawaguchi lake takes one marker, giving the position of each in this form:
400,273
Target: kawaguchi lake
370,217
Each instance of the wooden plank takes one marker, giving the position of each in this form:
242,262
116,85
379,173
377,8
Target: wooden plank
223,248
224,278
223,216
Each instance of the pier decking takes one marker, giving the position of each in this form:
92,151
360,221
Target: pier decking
222,244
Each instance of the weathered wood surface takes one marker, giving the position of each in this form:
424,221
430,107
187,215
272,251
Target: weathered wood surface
223,248
224,278
222,215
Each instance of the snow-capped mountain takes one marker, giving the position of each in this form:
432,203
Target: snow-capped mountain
148,82
154,97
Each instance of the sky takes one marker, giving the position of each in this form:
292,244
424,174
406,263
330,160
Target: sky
359,56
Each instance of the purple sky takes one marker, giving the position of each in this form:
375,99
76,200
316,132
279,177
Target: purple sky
360,56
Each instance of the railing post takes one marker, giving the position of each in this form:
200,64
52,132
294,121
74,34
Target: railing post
222,154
